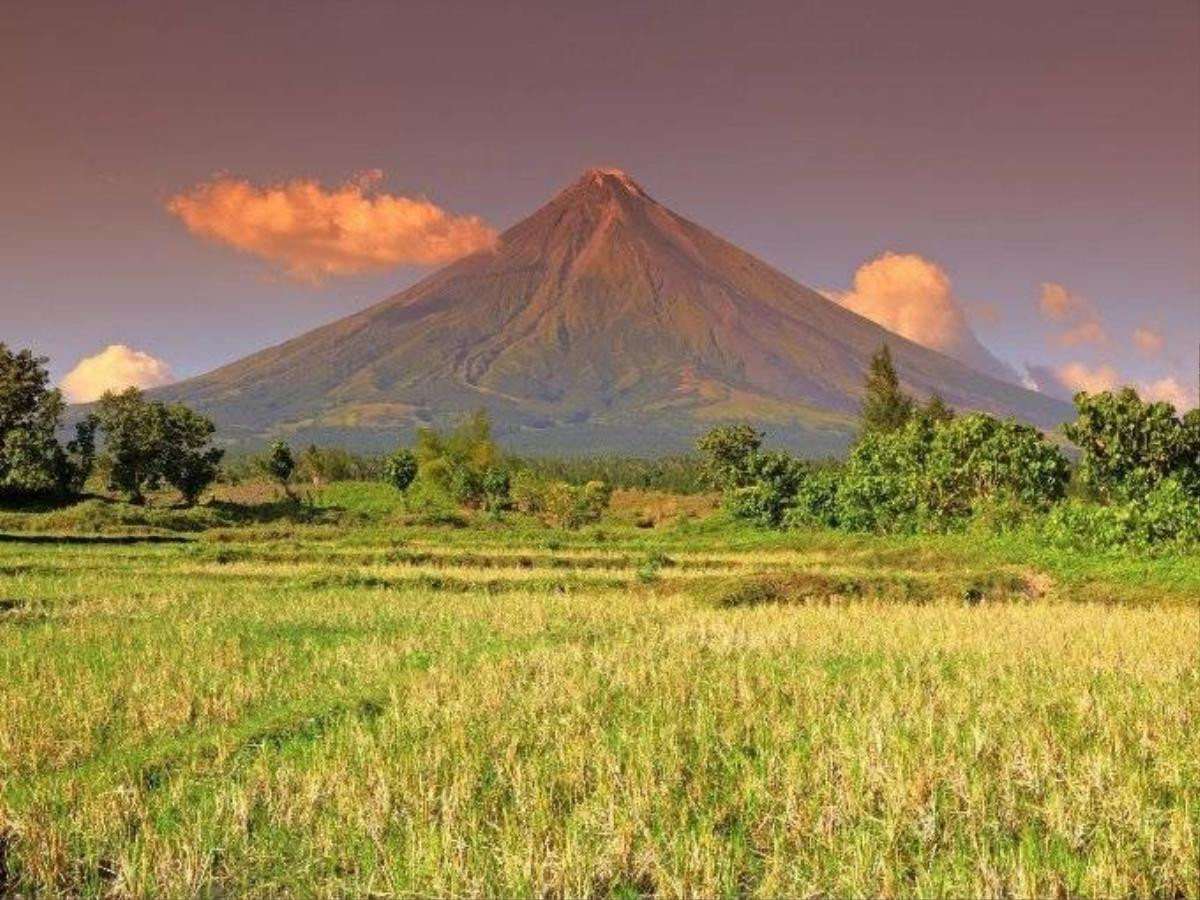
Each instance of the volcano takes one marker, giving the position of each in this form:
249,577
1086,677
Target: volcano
604,322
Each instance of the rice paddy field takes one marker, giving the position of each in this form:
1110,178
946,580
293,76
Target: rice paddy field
362,705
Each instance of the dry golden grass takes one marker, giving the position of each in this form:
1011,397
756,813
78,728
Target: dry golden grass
489,713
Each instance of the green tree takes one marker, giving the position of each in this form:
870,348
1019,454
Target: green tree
934,476
1129,446
882,486
32,461
455,462
279,464
148,443
189,462
132,441
771,481
726,453
885,407
496,489
977,459
400,469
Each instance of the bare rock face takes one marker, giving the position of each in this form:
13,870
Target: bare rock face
602,322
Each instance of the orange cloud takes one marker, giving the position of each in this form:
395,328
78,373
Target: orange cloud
1147,340
114,368
914,297
1061,305
313,233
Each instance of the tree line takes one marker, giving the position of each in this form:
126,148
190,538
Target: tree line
147,444
924,468
914,467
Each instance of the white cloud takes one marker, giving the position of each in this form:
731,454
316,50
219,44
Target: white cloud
115,367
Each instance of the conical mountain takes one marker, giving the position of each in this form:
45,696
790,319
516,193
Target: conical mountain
602,322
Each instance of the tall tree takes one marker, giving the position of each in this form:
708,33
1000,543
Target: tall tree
885,407
31,459
279,464
148,442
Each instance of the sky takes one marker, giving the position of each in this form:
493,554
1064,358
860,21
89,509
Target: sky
182,184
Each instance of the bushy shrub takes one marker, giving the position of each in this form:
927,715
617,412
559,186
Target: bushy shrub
1129,446
527,492
770,480
570,506
882,486
726,453
1165,518
457,461
400,469
497,486
816,500
976,460
466,486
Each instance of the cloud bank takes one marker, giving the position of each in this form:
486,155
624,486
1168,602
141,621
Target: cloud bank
915,298
1065,380
312,233
115,367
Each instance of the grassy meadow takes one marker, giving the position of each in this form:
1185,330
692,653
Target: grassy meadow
254,698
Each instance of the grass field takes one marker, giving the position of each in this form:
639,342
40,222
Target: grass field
354,706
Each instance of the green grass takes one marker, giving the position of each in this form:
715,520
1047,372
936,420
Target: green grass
343,702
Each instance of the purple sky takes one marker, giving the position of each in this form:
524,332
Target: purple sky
1013,144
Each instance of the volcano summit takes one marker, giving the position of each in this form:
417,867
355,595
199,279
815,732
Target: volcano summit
602,322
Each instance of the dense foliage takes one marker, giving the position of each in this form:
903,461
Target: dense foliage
32,461
1130,446
920,468
148,443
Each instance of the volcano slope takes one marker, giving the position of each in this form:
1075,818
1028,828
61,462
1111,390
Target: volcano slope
602,322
